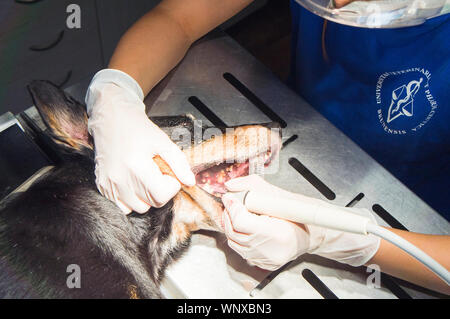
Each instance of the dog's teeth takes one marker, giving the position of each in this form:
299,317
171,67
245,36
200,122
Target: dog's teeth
256,164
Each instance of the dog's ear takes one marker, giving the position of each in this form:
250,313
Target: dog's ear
65,117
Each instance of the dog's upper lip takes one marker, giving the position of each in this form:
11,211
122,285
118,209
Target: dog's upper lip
215,151
196,169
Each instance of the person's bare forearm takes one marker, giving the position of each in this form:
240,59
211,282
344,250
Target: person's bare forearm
160,39
150,49
394,261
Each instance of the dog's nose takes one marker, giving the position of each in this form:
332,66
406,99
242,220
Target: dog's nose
271,125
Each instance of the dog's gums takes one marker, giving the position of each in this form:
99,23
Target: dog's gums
213,179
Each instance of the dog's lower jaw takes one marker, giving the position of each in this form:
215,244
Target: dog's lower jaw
190,215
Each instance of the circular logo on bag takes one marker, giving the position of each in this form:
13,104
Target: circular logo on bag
404,99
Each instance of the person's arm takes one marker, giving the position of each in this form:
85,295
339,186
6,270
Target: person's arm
394,261
126,140
269,242
160,39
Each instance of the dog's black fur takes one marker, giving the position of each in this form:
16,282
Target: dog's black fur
63,220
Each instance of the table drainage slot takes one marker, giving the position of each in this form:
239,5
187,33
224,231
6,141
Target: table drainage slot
311,178
355,200
267,280
263,107
206,111
387,217
389,283
318,284
289,141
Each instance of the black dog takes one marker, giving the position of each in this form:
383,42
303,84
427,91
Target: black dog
62,221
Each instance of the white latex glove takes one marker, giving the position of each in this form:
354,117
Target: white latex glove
126,142
264,241
269,242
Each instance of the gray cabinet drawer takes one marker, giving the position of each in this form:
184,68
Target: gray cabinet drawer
26,46
14,15
77,53
75,67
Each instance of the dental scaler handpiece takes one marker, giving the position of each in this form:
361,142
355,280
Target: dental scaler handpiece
315,212
304,212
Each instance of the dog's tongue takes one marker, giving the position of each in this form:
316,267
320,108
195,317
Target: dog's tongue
213,179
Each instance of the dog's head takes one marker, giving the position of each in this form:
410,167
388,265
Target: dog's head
217,155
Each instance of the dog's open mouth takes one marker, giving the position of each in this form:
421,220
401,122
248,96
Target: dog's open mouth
213,179
245,150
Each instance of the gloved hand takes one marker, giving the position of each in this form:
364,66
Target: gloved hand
269,242
264,241
126,142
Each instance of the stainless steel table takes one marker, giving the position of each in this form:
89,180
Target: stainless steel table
218,81
232,84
